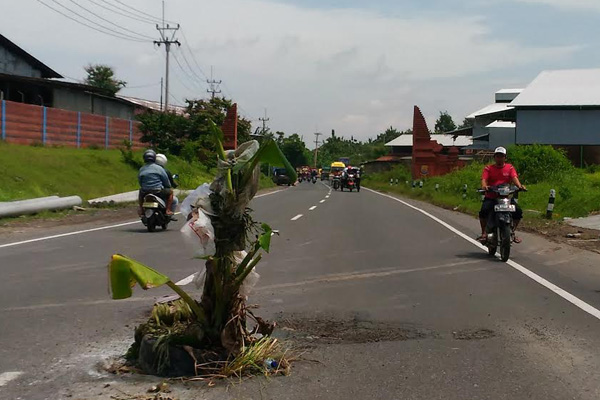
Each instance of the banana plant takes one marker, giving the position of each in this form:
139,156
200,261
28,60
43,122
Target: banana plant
221,311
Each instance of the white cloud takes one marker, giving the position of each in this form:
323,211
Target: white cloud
308,66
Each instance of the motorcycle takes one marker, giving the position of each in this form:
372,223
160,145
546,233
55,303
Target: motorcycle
154,212
314,179
335,182
350,183
500,222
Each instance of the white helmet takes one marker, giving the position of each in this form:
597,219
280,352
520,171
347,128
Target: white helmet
161,159
499,150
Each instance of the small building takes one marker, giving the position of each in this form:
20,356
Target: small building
562,108
25,79
494,125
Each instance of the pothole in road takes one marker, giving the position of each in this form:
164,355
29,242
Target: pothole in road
331,330
474,334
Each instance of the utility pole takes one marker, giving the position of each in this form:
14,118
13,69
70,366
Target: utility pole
165,32
317,134
264,122
264,130
213,84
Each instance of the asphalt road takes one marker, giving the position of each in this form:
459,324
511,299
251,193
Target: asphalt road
387,302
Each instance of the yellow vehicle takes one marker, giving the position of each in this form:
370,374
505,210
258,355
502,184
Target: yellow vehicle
335,175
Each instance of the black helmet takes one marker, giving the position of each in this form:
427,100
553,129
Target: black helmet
149,156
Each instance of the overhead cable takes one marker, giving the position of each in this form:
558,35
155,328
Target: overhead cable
102,29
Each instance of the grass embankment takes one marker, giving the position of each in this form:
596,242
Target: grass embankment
541,168
28,172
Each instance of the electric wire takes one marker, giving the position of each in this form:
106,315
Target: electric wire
191,79
186,44
142,12
117,11
103,29
110,22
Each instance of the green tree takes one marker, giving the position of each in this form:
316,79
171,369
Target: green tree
444,123
103,77
295,150
465,124
190,135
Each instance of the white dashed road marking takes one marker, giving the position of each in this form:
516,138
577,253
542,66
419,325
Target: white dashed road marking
322,201
312,208
297,217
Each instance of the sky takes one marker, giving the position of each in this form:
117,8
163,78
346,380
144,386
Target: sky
355,66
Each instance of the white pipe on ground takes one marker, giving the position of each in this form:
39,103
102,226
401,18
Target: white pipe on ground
28,201
35,207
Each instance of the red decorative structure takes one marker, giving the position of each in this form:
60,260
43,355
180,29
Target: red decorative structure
429,158
229,128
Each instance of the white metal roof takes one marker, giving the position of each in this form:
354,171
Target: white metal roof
573,87
509,91
491,109
444,140
502,124
153,105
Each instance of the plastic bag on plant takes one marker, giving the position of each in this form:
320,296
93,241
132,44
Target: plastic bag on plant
199,235
199,278
199,198
252,278
249,283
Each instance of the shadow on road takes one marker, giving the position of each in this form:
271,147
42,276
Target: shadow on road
477,255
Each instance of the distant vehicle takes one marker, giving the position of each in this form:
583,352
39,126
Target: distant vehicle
281,177
345,160
335,174
325,173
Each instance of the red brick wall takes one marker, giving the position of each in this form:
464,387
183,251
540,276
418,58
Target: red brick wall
229,128
24,124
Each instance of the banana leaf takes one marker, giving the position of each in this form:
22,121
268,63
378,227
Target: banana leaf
268,153
125,272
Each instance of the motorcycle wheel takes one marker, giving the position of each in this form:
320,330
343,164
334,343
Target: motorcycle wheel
151,224
164,226
351,188
358,188
492,245
505,243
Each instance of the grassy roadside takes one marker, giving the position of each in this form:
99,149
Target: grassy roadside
27,172
578,193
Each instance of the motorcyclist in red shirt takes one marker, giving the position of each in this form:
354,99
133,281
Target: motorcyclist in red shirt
493,175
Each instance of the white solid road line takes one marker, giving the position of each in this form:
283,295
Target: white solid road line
6,377
312,208
68,234
101,228
547,284
297,217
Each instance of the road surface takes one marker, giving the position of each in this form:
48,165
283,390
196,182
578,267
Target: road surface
390,300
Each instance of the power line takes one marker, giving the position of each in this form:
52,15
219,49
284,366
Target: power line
156,19
190,78
190,68
110,22
186,43
105,30
118,11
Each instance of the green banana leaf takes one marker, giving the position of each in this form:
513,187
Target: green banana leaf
265,239
268,153
124,272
